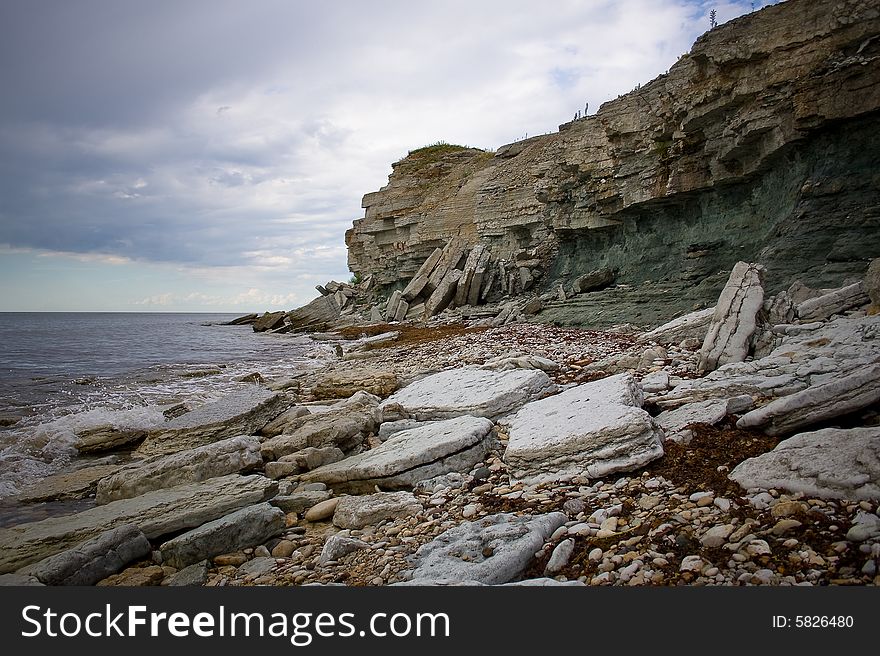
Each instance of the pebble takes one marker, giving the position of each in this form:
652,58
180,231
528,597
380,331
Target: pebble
786,508
560,557
717,535
691,564
595,555
284,549
321,511
469,510
722,504
758,548
783,526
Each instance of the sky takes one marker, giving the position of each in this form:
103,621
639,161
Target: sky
208,155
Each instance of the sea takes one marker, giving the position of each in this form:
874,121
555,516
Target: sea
63,373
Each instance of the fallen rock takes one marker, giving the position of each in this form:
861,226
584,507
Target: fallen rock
593,281
300,502
835,302
344,427
342,384
444,294
410,456
107,438
368,510
831,463
735,318
269,321
303,461
238,530
693,325
94,559
317,315
229,456
471,391
338,546
593,429
837,397
493,550
710,412
418,282
77,484
155,513
243,412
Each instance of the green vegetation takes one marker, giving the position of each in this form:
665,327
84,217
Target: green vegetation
436,150
355,279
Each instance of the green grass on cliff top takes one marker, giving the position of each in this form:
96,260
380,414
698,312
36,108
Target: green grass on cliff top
438,149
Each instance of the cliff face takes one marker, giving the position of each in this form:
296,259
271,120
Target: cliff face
761,144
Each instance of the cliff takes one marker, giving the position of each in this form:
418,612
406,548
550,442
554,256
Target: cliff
762,144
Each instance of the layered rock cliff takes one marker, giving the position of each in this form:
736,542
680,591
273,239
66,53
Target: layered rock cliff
761,144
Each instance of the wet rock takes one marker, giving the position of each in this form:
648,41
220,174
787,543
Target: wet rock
492,550
229,456
828,463
107,438
94,559
243,528
593,429
155,513
471,391
342,384
243,412
268,321
77,484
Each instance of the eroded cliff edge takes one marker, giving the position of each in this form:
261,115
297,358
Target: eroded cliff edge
761,144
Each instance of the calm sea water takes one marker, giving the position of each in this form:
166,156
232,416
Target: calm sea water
61,373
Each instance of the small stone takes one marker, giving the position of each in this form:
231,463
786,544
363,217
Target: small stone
233,559
869,568
758,548
722,504
284,549
469,510
705,501
595,555
262,552
560,557
609,524
717,535
321,511
691,564
786,509
783,526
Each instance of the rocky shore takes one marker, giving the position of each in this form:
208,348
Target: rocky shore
736,446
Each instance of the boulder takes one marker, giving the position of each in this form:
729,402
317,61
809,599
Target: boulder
338,546
77,484
471,391
418,282
107,438
410,456
190,576
735,318
462,291
452,254
371,509
474,295
238,530
343,427
393,303
243,412
300,502
318,315
834,398
93,560
693,325
269,321
593,429
342,384
710,411
593,281
444,294
493,550
834,302
831,463
229,456
303,461
155,513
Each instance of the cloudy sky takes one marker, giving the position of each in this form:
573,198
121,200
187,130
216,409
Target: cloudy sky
208,155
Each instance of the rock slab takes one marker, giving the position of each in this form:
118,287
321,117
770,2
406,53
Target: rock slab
238,530
832,463
370,509
493,550
155,513
243,412
593,429
471,391
228,456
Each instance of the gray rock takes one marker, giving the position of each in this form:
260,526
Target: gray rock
107,438
837,397
375,315
277,425
493,550
693,325
833,302
304,460
238,530
871,283
418,282
462,292
338,546
228,456
19,580
317,315
593,281
299,502
391,306
77,484
593,429
94,559
560,557
471,391
830,463
710,412
269,321
444,294
735,318
410,456
389,428
507,362
257,567
243,412
191,576
155,513
343,427
368,510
